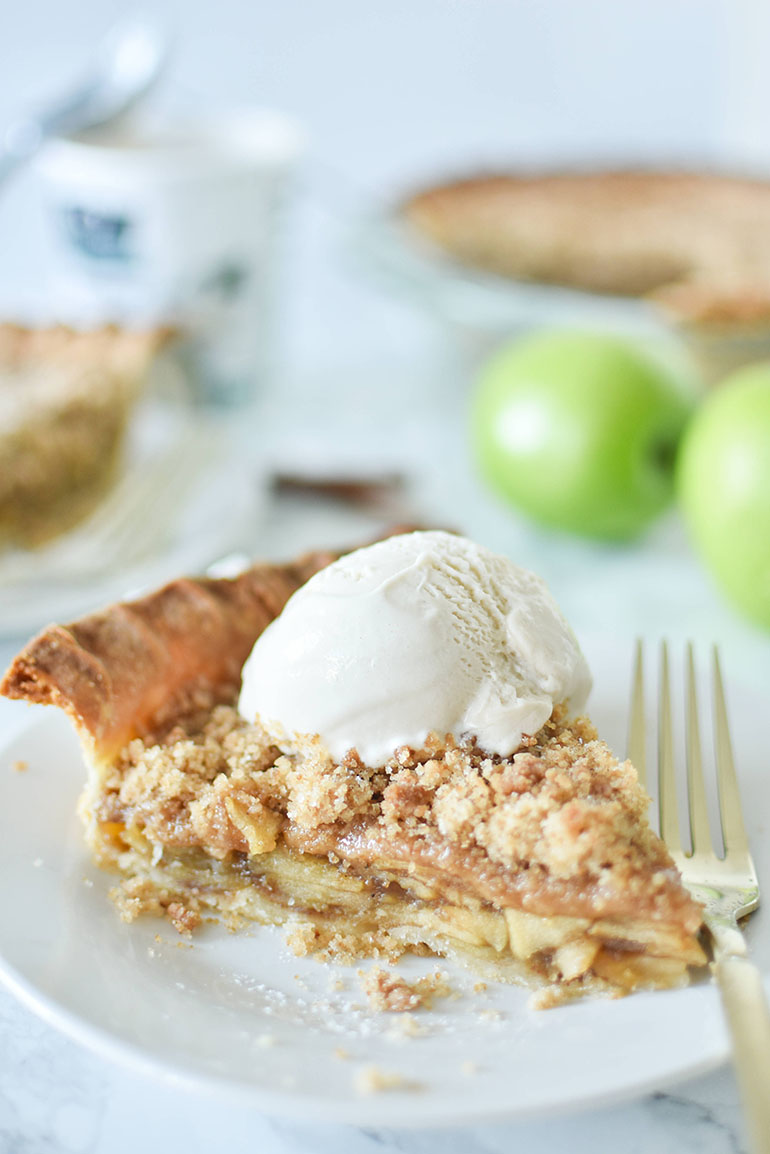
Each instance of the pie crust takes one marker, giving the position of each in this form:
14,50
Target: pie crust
65,399
695,243
538,868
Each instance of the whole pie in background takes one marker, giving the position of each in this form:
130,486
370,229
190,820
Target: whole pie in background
534,865
700,243
695,244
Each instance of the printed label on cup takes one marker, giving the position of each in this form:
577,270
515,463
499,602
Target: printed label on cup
182,230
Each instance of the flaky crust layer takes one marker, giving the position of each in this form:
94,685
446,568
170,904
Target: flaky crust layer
138,667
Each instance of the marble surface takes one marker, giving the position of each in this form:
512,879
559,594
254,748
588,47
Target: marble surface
56,1098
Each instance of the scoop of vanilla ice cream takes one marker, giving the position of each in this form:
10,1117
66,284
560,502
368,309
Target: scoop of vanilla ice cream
421,632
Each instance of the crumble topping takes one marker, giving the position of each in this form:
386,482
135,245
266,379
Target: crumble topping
563,804
198,790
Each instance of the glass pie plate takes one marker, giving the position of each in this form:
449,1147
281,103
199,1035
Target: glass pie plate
482,309
388,247
183,496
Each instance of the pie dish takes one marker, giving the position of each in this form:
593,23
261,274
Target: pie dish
65,401
694,243
538,868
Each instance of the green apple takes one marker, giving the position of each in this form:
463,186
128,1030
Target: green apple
723,483
580,431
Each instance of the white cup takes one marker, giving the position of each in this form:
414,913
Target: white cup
176,226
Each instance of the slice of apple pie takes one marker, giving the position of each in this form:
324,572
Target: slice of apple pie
379,751
66,398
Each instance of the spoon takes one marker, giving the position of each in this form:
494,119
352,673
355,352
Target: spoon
127,63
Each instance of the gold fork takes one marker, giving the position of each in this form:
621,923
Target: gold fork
726,885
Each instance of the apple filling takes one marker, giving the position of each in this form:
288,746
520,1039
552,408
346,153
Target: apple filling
511,866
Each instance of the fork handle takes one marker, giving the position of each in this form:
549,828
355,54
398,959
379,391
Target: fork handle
748,1019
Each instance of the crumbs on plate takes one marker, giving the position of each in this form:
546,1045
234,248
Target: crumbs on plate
389,991
372,1080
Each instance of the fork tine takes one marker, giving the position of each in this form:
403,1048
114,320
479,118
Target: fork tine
733,829
667,803
700,829
637,745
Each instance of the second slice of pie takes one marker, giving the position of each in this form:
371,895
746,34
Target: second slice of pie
66,399
383,752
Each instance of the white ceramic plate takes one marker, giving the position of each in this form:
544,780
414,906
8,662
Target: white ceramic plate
240,1015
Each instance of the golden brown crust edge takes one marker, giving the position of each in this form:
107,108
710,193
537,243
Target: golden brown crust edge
138,666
